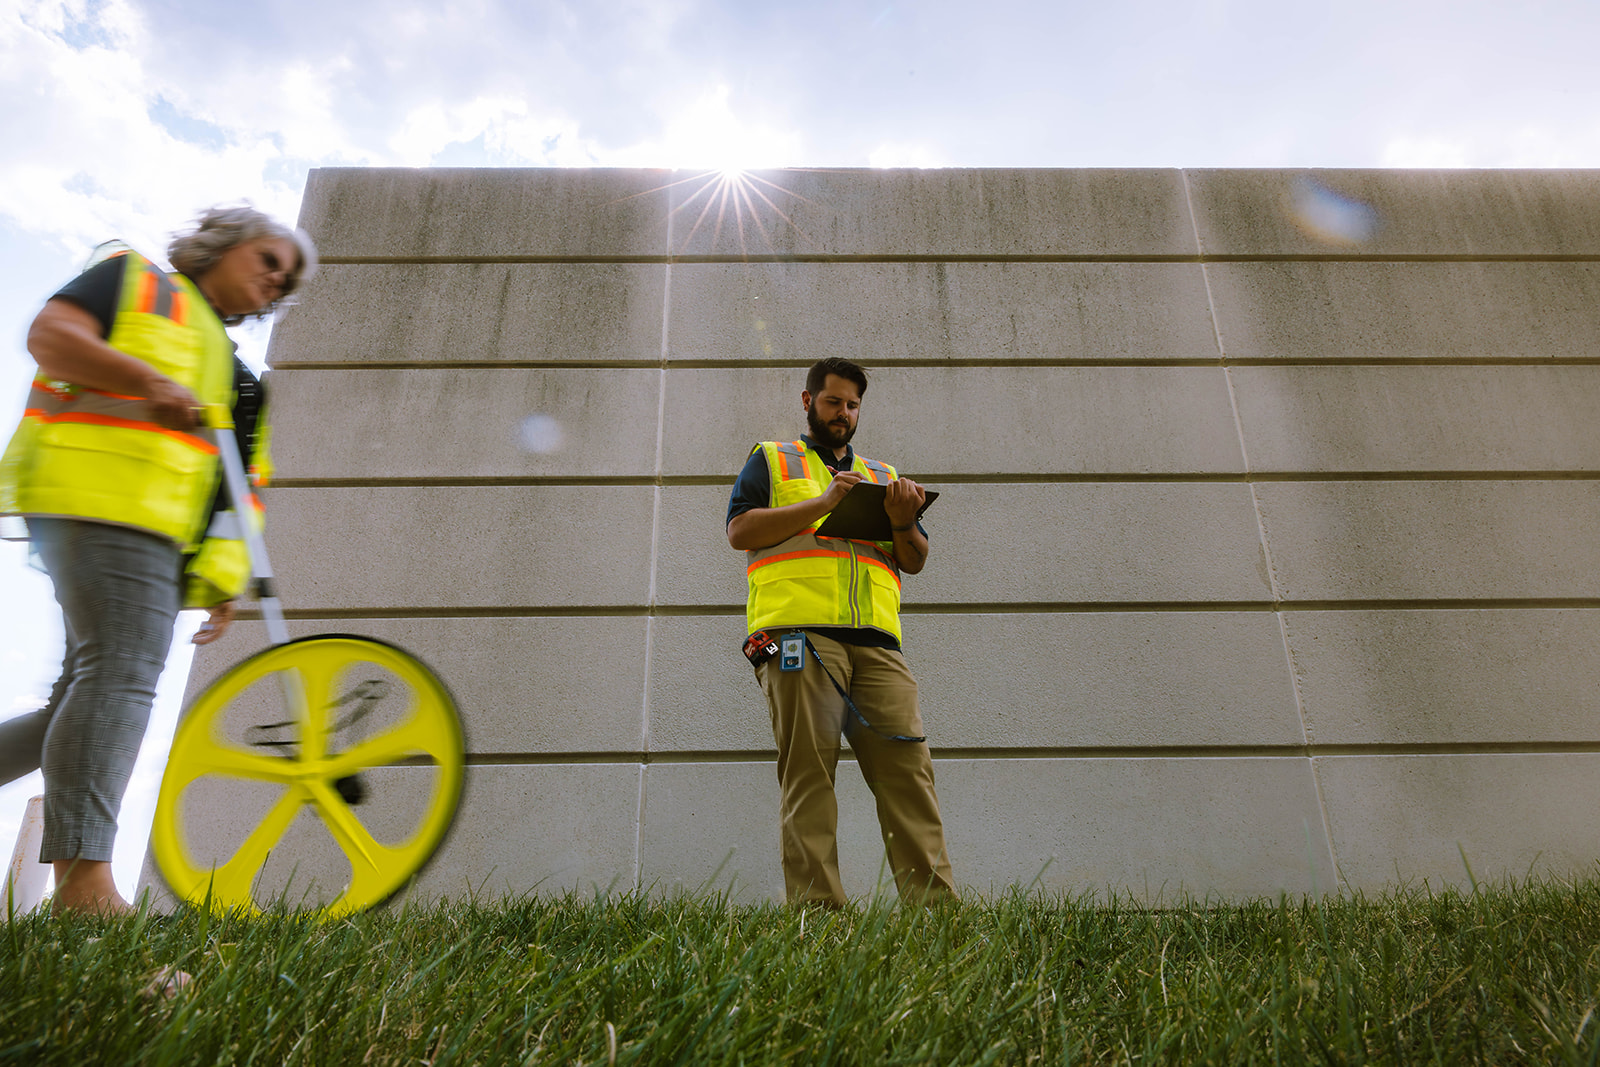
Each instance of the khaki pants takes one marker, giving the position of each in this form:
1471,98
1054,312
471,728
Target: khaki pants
808,716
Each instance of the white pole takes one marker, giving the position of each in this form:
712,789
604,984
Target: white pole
220,420
26,877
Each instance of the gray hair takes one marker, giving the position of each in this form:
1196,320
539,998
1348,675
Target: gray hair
220,228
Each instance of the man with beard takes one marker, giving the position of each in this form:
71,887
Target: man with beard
824,616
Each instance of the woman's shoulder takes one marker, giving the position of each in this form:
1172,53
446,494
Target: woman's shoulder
97,290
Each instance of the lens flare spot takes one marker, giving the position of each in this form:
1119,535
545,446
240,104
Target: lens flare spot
541,434
1332,217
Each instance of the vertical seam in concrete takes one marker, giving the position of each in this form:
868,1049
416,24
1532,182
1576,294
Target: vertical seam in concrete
1327,821
1233,400
655,511
1261,527
638,832
655,554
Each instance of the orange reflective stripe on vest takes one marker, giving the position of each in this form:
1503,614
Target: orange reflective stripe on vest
877,472
159,296
92,407
99,456
792,459
871,558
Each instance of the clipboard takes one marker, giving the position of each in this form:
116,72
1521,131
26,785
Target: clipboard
860,515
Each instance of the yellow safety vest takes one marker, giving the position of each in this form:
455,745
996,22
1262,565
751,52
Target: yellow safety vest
87,454
820,581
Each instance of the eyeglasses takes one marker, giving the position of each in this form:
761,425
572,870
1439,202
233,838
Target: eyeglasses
270,260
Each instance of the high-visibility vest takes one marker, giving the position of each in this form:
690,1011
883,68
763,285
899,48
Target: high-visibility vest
820,581
220,569
88,454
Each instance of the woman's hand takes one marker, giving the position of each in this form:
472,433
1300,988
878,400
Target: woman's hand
171,405
65,341
217,624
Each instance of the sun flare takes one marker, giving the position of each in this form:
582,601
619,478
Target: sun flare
745,206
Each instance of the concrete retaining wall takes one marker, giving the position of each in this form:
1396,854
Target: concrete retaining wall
1266,558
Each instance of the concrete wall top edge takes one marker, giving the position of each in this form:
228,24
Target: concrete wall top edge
620,212
324,172
1397,212
941,212
448,211
469,211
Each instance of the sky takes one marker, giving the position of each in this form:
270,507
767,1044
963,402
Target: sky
124,118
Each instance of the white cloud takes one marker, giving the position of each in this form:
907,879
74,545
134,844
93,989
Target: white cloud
306,120
708,134
906,154
551,141
85,159
1491,145
1540,146
1425,152
507,133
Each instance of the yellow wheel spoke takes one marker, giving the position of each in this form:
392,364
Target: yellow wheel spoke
317,674
347,830
418,735
236,763
234,880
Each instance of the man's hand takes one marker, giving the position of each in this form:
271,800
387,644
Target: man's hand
765,527
839,488
903,500
217,624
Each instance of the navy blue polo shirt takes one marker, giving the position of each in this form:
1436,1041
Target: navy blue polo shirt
754,490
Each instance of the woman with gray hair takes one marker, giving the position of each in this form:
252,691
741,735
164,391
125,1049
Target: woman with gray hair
119,493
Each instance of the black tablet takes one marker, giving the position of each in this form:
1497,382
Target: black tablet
860,515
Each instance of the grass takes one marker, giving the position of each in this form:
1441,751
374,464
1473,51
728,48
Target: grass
1502,975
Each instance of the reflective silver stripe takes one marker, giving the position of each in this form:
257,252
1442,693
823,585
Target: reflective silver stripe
50,402
225,527
794,458
878,468
165,291
854,590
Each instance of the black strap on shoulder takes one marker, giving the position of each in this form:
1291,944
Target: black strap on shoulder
249,394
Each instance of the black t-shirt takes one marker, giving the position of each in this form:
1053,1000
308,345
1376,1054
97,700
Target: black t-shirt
96,291
754,490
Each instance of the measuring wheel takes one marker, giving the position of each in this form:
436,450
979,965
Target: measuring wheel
321,772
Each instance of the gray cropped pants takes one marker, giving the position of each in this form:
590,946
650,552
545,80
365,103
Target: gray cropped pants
119,591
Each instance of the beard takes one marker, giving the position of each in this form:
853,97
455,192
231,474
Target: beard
824,434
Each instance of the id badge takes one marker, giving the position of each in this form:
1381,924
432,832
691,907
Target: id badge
792,651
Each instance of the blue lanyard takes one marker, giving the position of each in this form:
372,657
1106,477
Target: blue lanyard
851,704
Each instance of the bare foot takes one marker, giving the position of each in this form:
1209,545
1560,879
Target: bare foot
85,887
